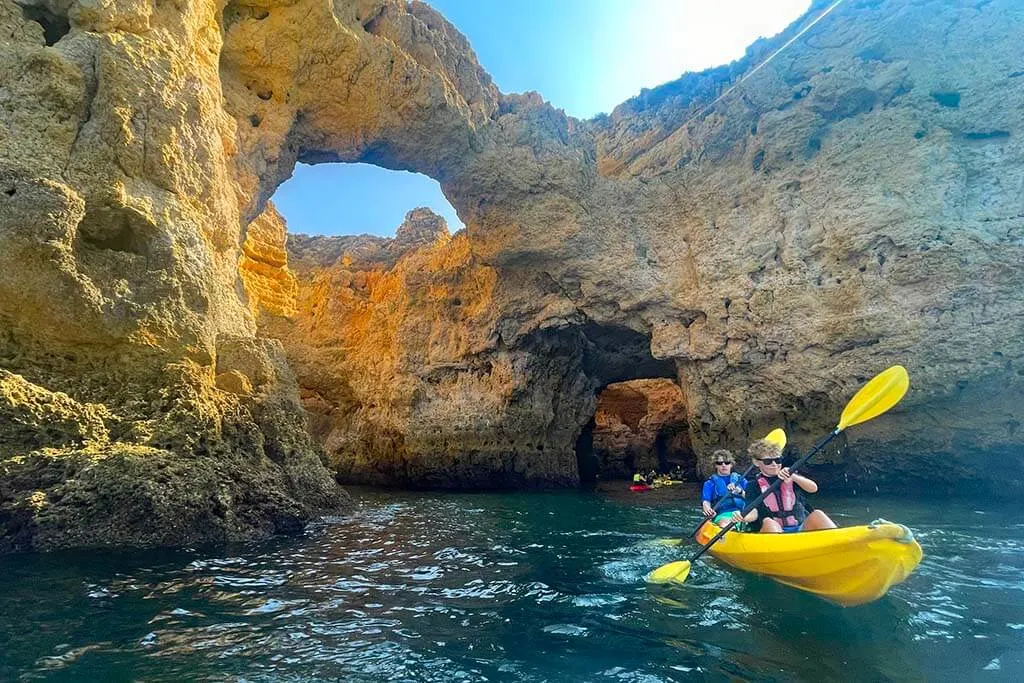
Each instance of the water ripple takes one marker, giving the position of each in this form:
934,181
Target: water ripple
523,588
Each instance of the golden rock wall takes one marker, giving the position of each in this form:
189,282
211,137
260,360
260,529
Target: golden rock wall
853,203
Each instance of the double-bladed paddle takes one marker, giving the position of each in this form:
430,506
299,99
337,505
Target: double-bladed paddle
877,396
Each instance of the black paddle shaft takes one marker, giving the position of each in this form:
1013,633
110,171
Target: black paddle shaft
771,489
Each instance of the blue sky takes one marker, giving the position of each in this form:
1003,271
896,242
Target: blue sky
583,56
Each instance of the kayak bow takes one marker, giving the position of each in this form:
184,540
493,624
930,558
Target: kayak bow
848,566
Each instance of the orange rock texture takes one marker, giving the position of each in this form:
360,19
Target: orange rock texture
269,283
767,238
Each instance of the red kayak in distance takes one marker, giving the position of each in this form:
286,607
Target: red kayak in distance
639,487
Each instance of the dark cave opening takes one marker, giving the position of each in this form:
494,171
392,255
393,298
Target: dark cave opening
639,420
586,460
55,26
638,426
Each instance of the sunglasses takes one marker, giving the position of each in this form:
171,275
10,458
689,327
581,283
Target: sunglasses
771,461
723,462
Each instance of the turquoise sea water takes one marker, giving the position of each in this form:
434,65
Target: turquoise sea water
511,587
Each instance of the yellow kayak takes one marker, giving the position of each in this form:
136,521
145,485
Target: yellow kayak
848,566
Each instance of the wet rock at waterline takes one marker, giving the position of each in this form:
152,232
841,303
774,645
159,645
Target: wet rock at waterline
852,204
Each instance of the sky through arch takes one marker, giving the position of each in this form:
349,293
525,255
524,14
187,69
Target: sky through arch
583,56
352,199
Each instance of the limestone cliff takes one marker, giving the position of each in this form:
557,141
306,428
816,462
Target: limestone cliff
136,403
768,234
766,237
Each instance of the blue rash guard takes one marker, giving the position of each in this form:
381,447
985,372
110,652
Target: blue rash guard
715,489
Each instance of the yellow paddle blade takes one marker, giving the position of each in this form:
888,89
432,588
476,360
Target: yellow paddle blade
673,572
777,437
883,392
667,542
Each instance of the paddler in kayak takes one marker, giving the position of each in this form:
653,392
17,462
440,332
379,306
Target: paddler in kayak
725,487
784,510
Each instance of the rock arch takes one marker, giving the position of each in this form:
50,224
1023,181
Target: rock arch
736,240
778,248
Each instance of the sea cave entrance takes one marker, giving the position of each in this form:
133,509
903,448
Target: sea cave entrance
640,416
638,426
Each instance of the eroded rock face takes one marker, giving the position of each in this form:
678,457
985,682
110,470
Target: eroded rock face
269,282
137,404
848,206
369,311
851,204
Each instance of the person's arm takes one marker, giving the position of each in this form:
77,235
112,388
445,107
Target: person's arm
708,491
751,492
750,517
800,480
705,498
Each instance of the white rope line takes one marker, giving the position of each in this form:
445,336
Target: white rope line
757,68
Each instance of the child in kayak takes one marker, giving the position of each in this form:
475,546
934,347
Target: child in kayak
723,486
784,510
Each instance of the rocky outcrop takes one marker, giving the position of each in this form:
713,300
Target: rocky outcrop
137,404
268,281
421,228
369,309
766,237
309,253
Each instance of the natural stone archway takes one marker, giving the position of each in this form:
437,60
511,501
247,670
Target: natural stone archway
369,307
773,258
640,426
854,203
375,81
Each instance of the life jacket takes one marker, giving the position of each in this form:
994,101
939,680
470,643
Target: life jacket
721,485
791,513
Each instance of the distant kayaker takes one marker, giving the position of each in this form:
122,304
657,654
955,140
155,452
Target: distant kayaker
723,486
783,510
